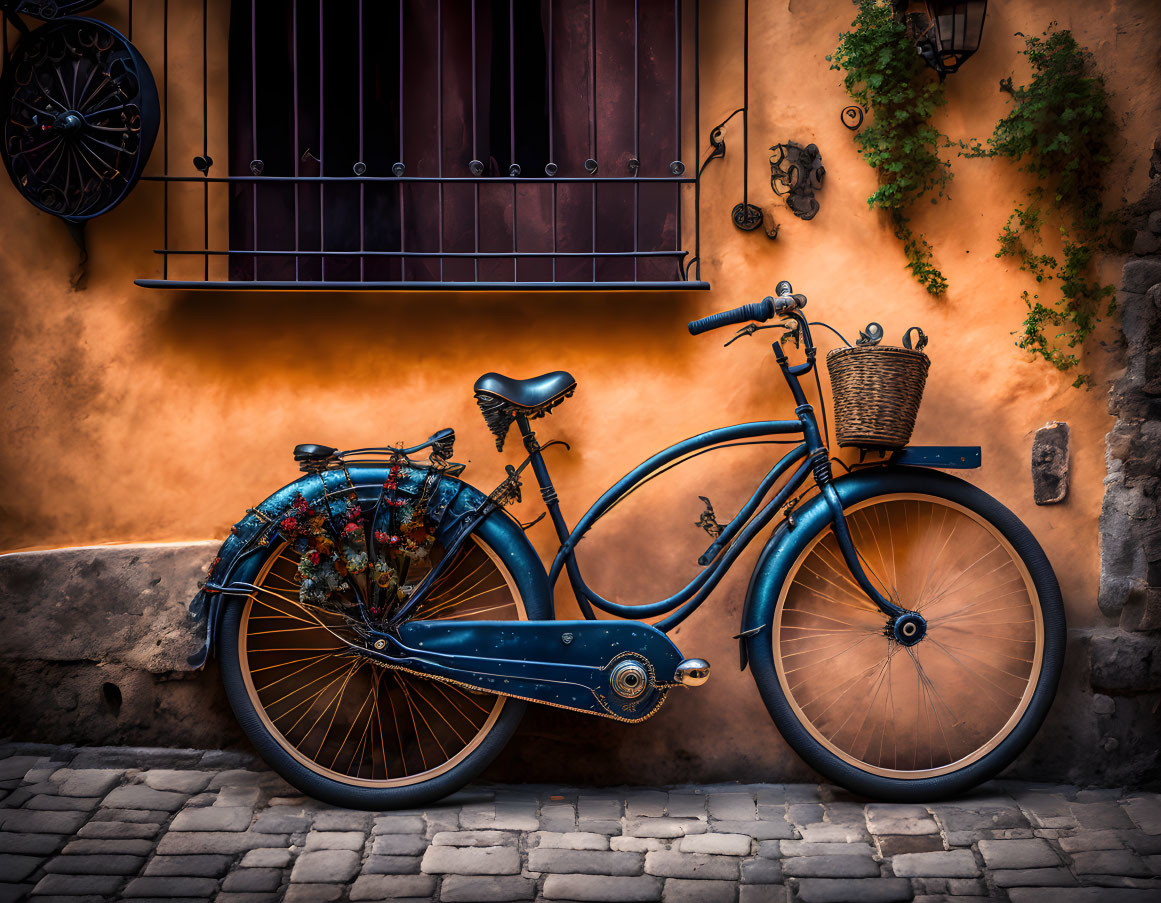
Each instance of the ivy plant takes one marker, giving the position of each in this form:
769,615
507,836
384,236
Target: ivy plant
888,78
1059,131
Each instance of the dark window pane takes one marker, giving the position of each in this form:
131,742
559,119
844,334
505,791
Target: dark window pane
365,86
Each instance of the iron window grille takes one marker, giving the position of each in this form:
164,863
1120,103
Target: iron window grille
455,144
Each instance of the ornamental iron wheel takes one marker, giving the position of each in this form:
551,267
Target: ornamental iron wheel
910,712
81,115
348,719
47,9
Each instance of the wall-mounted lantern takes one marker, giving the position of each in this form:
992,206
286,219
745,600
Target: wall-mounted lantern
949,33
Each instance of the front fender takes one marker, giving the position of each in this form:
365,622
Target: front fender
241,556
786,544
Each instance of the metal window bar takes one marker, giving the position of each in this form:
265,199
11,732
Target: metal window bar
254,127
552,123
363,185
697,129
206,133
593,118
402,217
647,247
438,118
475,146
165,130
677,39
637,129
322,151
295,153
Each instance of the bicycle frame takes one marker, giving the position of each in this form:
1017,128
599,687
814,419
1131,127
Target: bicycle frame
735,536
739,532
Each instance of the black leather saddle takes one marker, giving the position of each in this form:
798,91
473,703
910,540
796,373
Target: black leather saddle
501,398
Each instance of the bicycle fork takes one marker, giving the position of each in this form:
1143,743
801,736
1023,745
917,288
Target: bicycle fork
907,627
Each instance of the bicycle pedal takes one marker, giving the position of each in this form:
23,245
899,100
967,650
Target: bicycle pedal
693,672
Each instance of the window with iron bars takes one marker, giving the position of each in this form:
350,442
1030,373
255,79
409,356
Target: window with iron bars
453,144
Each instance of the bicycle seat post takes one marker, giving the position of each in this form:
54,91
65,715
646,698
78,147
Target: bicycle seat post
540,469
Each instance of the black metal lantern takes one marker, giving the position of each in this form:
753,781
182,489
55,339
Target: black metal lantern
951,32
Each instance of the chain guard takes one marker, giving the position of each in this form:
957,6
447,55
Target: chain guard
567,664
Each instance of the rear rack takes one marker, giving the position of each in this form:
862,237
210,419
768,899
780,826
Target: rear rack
944,457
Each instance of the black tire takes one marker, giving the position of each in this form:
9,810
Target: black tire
338,792
760,649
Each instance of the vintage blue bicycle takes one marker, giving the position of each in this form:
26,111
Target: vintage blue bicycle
381,623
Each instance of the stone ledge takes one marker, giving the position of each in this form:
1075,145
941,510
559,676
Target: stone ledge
117,604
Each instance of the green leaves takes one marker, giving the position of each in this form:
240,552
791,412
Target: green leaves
886,75
1059,130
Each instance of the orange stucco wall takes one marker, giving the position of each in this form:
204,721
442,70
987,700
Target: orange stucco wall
149,415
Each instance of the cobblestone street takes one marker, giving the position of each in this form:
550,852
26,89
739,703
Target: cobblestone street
99,824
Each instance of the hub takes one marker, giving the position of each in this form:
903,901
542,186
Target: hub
629,679
907,629
69,122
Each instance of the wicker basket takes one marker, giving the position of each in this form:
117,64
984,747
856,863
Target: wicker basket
877,390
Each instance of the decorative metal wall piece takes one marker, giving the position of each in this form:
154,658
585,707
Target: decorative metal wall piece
47,9
80,115
852,116
747,217
717,141
796,173
750,217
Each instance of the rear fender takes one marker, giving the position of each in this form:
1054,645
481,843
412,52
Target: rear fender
451,501
787,543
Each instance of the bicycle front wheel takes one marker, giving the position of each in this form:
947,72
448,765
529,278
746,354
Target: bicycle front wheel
932,719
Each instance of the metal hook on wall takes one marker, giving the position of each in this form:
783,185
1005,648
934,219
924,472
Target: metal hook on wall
745,216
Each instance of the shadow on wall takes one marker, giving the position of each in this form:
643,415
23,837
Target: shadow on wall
270,331
108,704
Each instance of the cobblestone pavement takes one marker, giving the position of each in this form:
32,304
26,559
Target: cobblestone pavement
113,823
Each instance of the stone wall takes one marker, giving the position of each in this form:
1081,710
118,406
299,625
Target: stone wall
1125,654
95,643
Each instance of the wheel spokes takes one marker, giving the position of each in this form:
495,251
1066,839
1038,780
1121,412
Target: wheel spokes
345,716
973,672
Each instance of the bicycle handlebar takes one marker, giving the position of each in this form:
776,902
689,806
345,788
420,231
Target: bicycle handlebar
785,303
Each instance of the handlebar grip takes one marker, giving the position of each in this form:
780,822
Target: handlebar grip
760,310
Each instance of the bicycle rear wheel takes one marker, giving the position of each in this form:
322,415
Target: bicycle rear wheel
928,720
345,729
